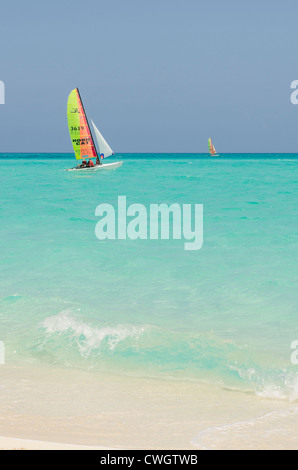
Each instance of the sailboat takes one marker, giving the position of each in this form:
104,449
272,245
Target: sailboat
212,150
82,139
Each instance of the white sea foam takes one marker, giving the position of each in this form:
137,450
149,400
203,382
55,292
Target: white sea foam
88,337
247,434
287,391
277,384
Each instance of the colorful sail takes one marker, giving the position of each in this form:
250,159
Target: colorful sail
212,150
79,129
103,147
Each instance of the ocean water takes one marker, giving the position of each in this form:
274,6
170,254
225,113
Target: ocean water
225,314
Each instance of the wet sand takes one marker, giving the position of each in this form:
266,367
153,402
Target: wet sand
55,409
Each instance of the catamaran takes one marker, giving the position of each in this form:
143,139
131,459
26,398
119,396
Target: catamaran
212,150
82,139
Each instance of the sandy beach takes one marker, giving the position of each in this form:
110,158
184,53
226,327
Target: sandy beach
10,443
56,409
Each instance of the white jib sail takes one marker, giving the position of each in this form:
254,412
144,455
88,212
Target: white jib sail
103,147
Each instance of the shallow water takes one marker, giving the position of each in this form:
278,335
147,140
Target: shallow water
224,314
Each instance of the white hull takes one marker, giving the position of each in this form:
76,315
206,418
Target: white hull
104,166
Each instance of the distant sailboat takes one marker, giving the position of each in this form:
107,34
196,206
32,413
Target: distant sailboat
212,150
82,140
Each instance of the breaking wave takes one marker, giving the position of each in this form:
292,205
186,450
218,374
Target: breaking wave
72,340
89,338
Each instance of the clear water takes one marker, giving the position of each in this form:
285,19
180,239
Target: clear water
226,313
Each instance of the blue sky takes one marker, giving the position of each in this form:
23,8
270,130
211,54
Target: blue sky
155,76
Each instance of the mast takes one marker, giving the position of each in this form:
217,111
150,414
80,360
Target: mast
88,123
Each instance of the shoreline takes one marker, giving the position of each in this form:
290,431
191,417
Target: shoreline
13,443
46,408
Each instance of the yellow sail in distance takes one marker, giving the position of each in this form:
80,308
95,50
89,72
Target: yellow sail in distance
79,129
212,150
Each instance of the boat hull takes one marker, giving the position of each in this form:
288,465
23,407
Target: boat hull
104,166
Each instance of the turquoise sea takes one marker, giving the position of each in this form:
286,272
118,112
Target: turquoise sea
225,314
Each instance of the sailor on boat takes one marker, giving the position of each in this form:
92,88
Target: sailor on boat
83,164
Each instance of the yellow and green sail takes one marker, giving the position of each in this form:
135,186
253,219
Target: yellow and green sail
212,150
79,129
